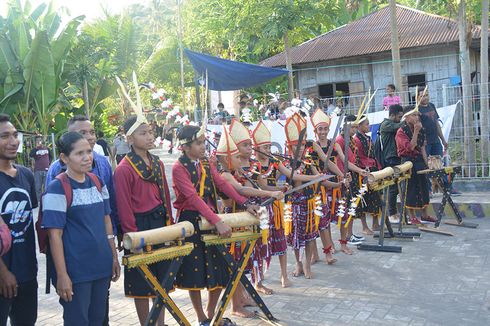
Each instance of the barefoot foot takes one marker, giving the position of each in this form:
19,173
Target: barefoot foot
285,282
243,313
263,289
298,271
346,250
367,231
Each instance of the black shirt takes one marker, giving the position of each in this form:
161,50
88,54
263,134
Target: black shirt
102,142
17,199
429,119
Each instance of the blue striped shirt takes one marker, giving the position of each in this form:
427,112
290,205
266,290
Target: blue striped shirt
88,256
103,170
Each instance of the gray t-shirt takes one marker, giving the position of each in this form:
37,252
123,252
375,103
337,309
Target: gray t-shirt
121,145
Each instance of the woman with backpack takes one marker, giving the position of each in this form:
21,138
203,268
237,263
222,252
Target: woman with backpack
81,240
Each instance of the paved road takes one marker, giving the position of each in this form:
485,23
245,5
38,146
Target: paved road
436,280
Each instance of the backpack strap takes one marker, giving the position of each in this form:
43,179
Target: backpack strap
95,180
65,183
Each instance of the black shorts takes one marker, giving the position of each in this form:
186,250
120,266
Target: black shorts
135,286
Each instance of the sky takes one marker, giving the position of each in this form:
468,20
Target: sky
90,8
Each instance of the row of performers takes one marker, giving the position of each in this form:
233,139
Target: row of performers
242,183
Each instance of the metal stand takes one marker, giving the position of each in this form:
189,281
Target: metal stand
236,270
384,220
403,216
141,262
450,171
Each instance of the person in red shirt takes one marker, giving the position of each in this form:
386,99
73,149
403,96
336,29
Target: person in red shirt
143,200
346,234
410,143
367,161
196,182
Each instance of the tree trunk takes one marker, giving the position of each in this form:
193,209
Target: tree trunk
86,102
395,53
469,146
484,140
289,67
181,52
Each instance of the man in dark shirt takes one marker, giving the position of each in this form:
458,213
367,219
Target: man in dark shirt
18,267
388,130
103,143
41,159
433,132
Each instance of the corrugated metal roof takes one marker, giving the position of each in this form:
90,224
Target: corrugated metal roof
372,34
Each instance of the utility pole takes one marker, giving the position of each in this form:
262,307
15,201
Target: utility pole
395,52
484,141
464,57
181,52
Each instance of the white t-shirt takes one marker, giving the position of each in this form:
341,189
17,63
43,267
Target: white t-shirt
98,149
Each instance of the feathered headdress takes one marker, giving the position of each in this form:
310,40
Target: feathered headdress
416,109
137,108
361,116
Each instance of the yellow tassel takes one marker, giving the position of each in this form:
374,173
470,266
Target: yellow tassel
339,221
317,222
278,211
335,193
265,236
348,221
233,249
203,180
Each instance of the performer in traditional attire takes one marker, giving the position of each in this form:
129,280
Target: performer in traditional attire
267,167
321,125
346,234
300,227
143,201
196,182
239,138
365,149
410,144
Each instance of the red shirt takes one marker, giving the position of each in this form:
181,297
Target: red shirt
364,160
350,155
135,195
403,145
187,197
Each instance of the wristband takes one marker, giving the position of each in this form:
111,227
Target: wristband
110,237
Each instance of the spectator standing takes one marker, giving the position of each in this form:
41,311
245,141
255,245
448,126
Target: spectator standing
100,167
104,144
81,235
18,267
121,147
41,159
388,130
390,98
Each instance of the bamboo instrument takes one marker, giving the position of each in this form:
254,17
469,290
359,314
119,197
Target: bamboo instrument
138,240
402,168
380,175
234,220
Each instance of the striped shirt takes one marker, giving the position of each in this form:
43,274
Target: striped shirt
87,252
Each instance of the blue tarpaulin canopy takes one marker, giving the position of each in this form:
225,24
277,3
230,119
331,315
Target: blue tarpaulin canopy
227,75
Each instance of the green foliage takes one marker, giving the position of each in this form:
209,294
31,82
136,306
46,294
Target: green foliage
33,50
46,62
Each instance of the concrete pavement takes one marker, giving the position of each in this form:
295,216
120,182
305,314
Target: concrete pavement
436,280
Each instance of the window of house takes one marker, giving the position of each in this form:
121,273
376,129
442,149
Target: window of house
414,81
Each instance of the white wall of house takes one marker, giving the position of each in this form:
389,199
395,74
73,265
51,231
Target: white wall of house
437,63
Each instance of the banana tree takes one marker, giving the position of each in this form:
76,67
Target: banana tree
33,50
